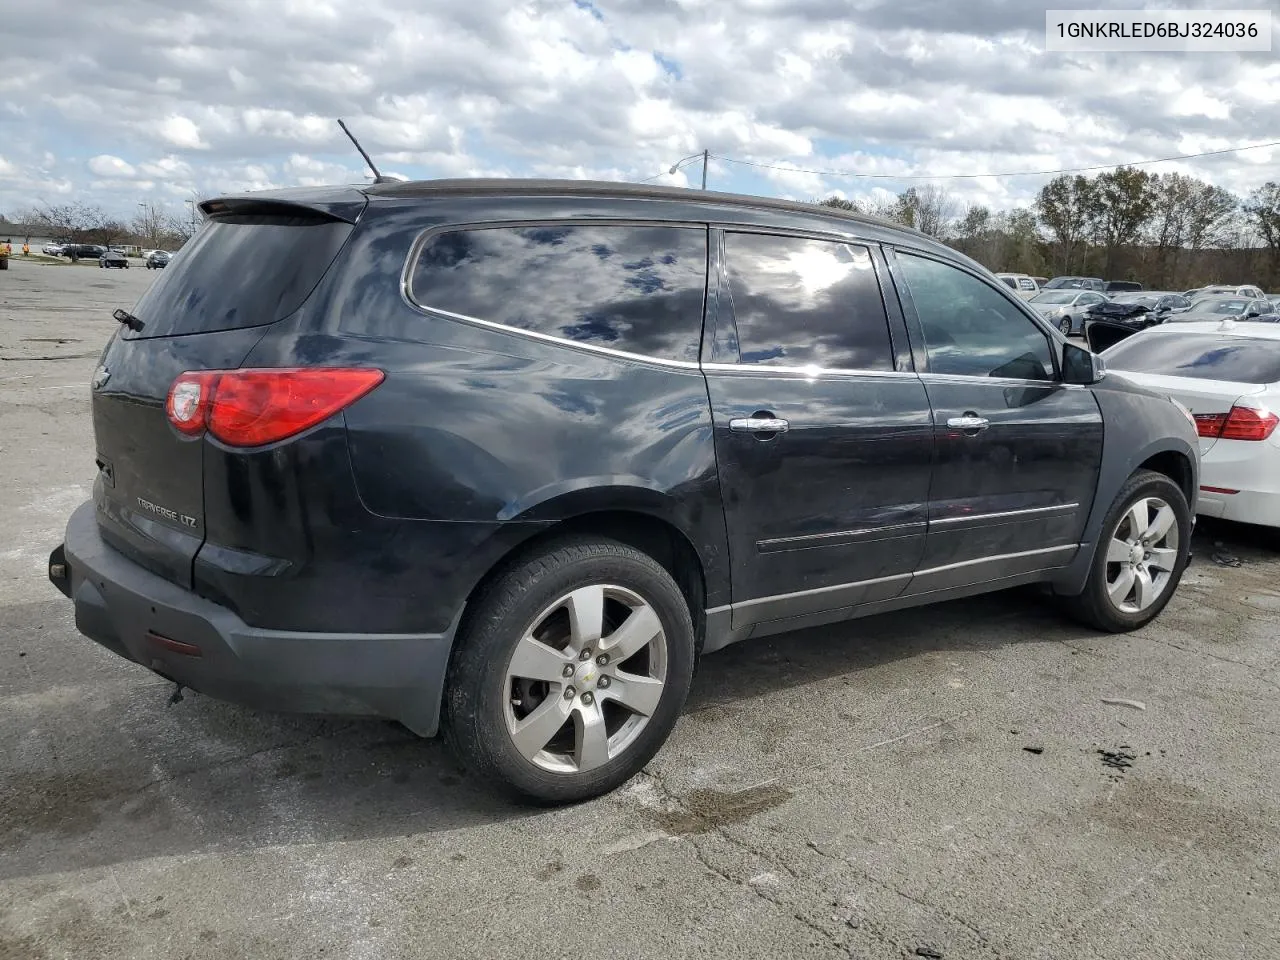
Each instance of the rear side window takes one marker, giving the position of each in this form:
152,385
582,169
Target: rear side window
634,288
800,302
1010,282
1236,359
240,271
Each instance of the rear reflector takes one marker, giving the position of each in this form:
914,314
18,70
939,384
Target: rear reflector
252,407
1240,423
177,646
1218,490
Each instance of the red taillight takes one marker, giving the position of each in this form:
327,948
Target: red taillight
249,408
1240,423
1249,423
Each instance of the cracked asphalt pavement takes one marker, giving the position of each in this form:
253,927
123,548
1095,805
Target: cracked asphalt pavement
854,791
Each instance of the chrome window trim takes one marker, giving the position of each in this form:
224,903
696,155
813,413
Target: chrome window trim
426,236
746,604
806,371
1006,381
1029,512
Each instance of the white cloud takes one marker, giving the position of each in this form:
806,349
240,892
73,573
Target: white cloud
180,131
105,165
219,96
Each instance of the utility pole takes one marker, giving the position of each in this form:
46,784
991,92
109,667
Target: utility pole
706,155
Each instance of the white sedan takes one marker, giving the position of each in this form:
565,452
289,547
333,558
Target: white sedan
1227,374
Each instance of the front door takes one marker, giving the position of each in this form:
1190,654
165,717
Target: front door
1016,450
823,438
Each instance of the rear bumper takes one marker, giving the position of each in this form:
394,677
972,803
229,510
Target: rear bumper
206,647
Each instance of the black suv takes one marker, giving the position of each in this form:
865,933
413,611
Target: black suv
83,251
506,457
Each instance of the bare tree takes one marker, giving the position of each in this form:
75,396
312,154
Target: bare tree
929,209
1263,212
150,224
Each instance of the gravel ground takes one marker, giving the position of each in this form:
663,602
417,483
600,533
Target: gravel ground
930,780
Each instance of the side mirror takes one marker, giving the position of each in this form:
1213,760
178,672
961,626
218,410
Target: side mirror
1081,366
1164,309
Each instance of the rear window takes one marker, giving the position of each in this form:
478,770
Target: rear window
1237,359
240,271
634,288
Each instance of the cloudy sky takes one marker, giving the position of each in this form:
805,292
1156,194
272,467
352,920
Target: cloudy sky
132,101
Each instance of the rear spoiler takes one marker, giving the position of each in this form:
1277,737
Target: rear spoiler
339,204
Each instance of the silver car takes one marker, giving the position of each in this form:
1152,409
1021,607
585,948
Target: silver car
1065,308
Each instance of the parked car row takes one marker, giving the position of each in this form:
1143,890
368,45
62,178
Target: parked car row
107,257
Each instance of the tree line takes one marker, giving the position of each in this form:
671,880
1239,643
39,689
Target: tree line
1168,231
80,222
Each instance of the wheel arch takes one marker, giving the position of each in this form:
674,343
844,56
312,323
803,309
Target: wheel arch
640,517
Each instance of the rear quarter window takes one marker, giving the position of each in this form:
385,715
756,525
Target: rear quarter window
1236,359
639,289
240,271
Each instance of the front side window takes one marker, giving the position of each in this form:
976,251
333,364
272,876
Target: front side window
799,302
969,328
634,288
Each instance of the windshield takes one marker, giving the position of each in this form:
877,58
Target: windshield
1199,356
1226,306
1059,282
1060,296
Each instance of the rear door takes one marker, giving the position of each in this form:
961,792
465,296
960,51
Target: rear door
243,271
1016,451
822,430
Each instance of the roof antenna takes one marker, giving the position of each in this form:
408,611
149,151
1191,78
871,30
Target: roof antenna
377,177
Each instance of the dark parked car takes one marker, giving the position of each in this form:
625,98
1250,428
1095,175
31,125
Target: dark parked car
505,457
83,251
1106,324
1123,286
1076,283
114,258
157,260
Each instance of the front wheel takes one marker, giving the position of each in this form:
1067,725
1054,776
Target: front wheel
1140,556
1065,326
571,671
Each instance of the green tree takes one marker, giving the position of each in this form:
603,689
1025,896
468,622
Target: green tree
1124,199
840,203
1068,208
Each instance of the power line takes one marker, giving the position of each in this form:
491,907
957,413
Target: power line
848,174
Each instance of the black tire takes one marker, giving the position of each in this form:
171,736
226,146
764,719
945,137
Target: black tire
1094,606
476,689
1065,326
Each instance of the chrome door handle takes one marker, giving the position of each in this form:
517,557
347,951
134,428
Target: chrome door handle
969,423
759,425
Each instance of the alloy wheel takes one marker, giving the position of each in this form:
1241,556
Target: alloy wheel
1142,555
585,679
1065,326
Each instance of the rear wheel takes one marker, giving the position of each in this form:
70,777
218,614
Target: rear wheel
571,672
1065,326
1140,558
